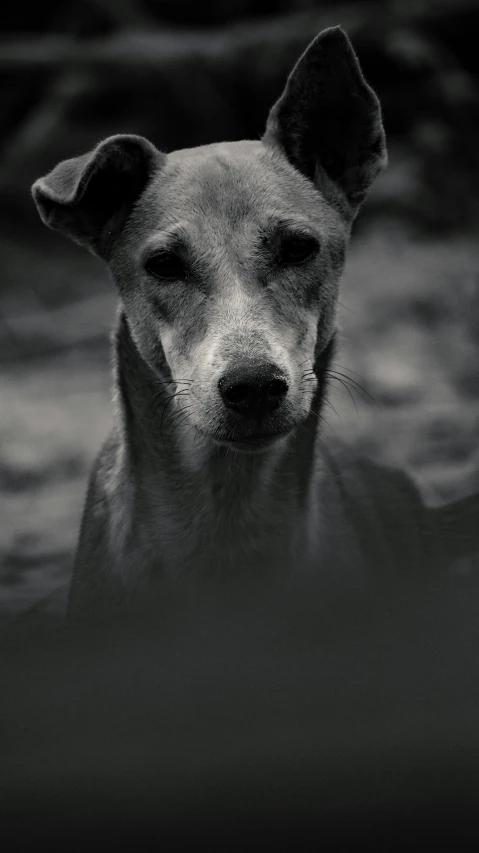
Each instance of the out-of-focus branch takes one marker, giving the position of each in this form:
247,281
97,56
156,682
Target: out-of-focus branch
124,14
30,53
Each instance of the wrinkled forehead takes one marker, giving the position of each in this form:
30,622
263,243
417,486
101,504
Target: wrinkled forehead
224,189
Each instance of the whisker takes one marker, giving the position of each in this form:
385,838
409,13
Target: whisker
348,369
181,407
346,388
151,406
154,397
347,308
358,385
171,398
197,432
343,382
320,419
177,426
175,419
174,416
155,407
327,402
168,401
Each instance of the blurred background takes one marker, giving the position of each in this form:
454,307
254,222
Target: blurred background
351,719
185,73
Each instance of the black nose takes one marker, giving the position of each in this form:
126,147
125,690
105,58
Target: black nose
253,391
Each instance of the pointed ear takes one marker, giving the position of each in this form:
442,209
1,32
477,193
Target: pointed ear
88,198
328,120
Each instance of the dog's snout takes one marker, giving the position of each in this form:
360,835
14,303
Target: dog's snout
253,391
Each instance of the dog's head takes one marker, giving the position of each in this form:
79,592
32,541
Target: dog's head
228,257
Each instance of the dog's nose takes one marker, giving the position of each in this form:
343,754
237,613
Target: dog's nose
253,391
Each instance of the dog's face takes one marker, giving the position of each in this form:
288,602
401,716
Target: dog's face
228,257
228,270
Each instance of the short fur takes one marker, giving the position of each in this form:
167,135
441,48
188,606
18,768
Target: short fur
182,490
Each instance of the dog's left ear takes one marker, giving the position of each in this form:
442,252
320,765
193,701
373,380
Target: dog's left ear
329,119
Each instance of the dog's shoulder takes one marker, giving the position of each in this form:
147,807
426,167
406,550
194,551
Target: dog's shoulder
381,510
106,519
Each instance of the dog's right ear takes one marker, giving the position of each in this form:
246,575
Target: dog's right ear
89,198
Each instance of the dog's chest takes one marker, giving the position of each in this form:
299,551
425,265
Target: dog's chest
229,533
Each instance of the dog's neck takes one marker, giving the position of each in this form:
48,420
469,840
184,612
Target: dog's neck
197,477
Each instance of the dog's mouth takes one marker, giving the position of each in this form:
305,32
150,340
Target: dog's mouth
257,440
253,442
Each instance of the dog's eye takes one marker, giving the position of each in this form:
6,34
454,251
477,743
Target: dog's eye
167,266
297,250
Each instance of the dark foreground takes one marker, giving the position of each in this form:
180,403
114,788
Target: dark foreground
341,721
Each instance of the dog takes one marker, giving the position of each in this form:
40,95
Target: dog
227,259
